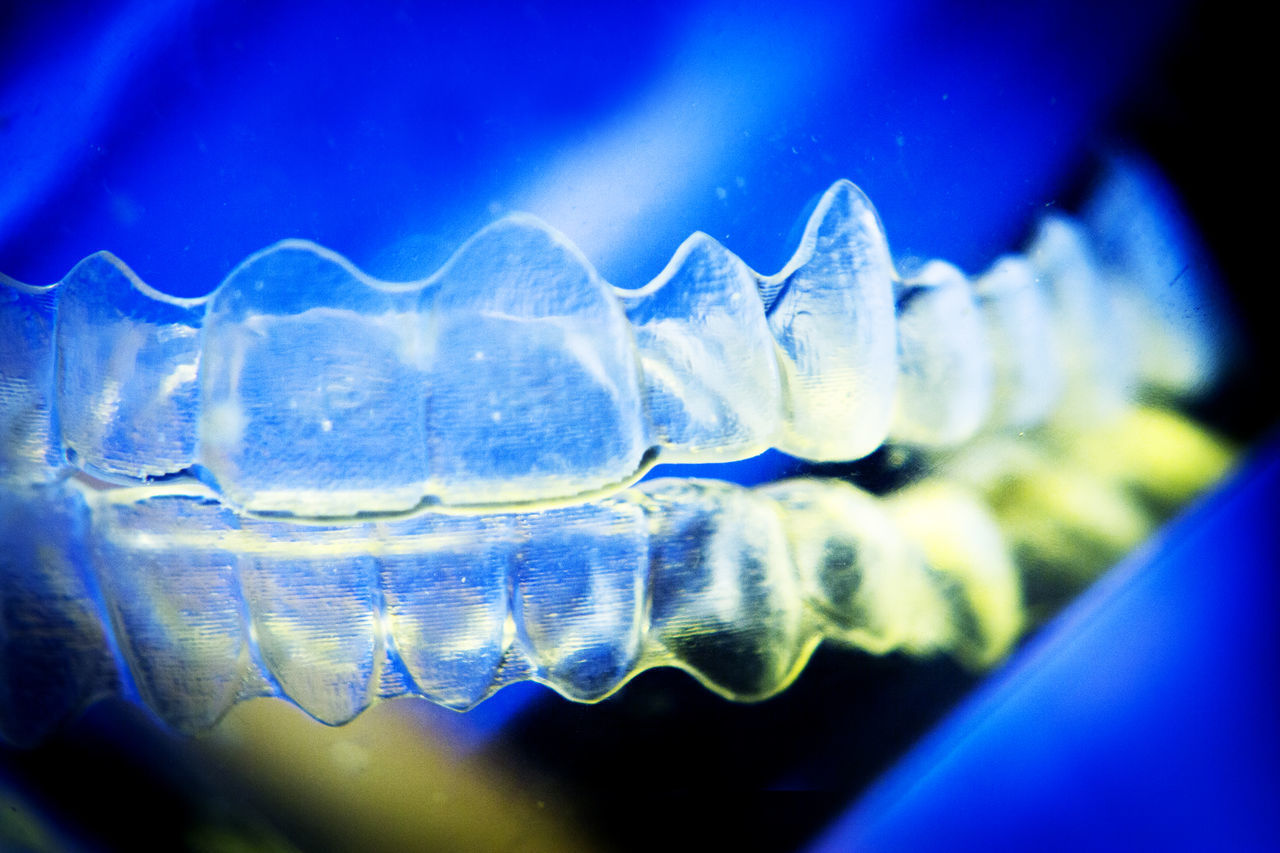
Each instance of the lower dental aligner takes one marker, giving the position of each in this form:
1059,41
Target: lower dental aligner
337,490
203,607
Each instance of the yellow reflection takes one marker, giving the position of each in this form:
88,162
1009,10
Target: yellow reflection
386,781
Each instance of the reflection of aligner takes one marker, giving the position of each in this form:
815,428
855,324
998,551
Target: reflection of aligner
514,376
173,598
179,598
734,585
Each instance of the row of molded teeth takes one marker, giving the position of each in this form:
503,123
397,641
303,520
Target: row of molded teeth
204,607
167,595
516,376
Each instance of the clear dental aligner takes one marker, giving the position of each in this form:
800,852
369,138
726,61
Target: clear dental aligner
167,594
193,595
516,377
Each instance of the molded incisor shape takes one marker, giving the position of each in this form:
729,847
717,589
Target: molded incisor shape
963,545
128,356
446,596
709,363
831,311
1095,349
580,586
1144,239
316,606
534,384
869,585
312,378
727,603
30,451
170,577
945,376
1023,352
55,656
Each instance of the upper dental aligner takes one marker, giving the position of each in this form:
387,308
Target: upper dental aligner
170,595
515,376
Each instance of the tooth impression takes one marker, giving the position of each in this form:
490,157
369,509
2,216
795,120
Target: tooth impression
858,571
444,582
172,588
55,656
945,373
311,378
727,605
533,389
128,401
580,582
1099,361
1016,317
831,311
316,613
711,375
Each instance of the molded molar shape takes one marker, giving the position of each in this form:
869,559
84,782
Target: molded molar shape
1143,239
831,311
1023,351
312,381
727,604
709,362
128,400
962,543
30,450
533,383
870,585
945,375
1097,359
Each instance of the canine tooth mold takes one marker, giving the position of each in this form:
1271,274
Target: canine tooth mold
871,585
726,601
831,311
